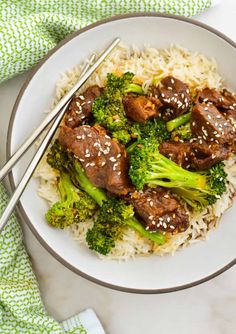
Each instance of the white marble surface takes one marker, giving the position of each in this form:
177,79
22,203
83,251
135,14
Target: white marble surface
207,309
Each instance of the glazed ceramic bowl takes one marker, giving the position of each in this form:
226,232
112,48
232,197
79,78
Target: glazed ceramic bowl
152,274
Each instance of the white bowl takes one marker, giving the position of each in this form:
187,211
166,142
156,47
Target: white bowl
153,274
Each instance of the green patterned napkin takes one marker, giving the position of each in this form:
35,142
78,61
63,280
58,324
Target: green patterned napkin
28,30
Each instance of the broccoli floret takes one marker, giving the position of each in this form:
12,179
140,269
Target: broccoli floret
64,161
121,85
155,128
182,133
122,136
216,176
108,109
75,206
114,215
108,227
216,182
176,122
148,166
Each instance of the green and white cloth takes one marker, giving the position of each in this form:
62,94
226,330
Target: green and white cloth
21,308
28,30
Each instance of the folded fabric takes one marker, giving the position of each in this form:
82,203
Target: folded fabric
28,30
21,308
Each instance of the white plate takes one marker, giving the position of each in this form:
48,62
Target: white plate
153,274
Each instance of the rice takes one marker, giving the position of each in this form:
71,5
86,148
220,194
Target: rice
150,65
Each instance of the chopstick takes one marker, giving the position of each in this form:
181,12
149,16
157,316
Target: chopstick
43,146
24,147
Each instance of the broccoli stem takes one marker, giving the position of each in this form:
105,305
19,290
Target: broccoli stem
175,123
66,188
81,178
156,237
176,176
99,196
134,88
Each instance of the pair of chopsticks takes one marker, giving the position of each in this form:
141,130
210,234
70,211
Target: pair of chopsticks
54,118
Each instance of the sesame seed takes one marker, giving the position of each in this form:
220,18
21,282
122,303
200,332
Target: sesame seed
170,88
92,164
172,80
78,137
112,159
103,163
209,116
82,160
205,108
187,91
77,104
182,95
231,107
119,173
87,155
162,94
151,217
151,203
82,97
172,227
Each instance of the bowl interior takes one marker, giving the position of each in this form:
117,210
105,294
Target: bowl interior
144,274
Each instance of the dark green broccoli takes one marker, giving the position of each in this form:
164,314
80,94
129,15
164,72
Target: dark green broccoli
75,205
182,133
155,128
123,136
216,177
114,215
108,109
62,160
120,85
108,226
148,166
